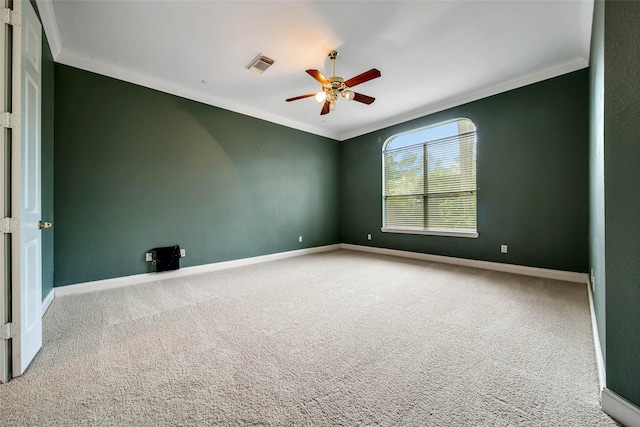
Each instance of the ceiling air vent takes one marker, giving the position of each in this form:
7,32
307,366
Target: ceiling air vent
260,63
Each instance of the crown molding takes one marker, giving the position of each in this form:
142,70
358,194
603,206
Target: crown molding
48,18
535,77
75,59
78,60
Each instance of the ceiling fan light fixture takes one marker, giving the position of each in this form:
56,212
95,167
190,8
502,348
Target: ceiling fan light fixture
335,87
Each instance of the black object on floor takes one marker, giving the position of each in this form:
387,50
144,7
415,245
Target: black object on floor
167,258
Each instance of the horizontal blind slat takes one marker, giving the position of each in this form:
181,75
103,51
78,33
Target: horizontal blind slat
449,189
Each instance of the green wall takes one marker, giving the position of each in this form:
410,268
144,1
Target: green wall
532,162
136,169
622,198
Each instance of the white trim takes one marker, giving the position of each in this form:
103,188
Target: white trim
100,285
67,56
48,18
47,301
450,233
78,60
568,276
602,374
620,409
570,66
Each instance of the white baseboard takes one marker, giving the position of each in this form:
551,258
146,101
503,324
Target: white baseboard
117,282
568,276
187,271
47,301
602,374
620,409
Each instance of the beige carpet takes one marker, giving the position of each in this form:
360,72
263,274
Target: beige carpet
333,339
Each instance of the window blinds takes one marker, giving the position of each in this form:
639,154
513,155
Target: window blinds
432,185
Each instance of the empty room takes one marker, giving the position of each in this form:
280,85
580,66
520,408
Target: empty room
320,213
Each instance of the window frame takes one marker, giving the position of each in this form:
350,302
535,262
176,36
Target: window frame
424,231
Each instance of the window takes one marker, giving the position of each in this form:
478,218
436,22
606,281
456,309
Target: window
429,180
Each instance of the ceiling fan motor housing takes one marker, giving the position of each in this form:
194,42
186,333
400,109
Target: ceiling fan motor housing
334,87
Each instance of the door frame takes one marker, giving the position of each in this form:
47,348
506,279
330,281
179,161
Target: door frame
15,302
5,194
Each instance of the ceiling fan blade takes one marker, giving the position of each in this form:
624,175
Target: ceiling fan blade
318,76
365,99
325,108
364,77
301,97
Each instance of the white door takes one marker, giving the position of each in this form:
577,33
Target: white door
27,257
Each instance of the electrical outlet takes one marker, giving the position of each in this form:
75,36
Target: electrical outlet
148,257
503,249
183,253
368,236
300,239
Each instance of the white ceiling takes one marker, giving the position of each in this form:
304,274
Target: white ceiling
432,54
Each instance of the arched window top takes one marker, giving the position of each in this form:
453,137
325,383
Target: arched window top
429,180
442,130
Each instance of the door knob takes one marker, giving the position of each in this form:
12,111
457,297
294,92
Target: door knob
44,224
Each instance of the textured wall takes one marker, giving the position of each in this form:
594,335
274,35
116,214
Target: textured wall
136,169
532,179
622,198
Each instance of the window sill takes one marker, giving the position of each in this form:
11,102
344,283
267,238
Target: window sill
441,232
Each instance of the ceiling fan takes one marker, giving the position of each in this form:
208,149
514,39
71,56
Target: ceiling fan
335,87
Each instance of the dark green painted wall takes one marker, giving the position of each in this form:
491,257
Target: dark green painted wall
533,147
136,169
596,171
622,198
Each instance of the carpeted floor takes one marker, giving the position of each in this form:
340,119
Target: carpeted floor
333,339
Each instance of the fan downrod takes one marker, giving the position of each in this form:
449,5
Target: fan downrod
335,87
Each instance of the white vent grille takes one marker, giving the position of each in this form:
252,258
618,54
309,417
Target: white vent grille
260,63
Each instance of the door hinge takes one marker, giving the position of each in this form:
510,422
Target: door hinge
6,331
9,120
10,17
8,225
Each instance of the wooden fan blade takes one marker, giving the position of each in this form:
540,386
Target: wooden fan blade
318,76
364,77
325,108
300,97
365,99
